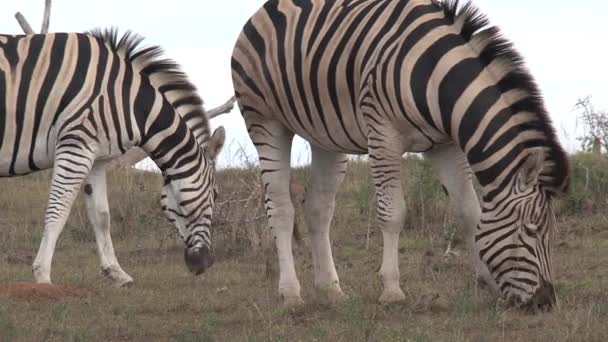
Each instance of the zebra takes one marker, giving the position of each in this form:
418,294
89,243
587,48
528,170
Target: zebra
383,78
72,102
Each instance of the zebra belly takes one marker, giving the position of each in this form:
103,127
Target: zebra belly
21,165
330,135
25,156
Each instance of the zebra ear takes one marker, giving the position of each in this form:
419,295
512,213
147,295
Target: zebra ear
216,143
532,167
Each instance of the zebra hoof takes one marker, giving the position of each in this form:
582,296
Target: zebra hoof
392,296
291,300
118,277
123,283
332,294
40,276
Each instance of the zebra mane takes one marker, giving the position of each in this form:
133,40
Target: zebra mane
165,74
476,29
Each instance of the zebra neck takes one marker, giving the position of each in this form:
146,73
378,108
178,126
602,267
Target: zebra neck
175,154
170,143
497,148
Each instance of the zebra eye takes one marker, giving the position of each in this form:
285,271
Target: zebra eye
531,229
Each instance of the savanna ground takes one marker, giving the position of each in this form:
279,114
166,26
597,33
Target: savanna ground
236,300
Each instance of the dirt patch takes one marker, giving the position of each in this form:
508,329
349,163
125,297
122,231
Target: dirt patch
40,291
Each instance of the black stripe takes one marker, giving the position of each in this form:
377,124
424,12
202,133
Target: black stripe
126,98
337,54
298,44
102,116
112,100
259,45
453,85
324,46
98,81
11,52
27,75
238,69
423,69
351,72
389,24
471,119
78,78
144,101
318,26
279,22
57,55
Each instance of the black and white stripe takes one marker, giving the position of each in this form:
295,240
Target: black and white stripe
73,101
387,77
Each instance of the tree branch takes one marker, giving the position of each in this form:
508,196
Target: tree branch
25,26
46,20
223,109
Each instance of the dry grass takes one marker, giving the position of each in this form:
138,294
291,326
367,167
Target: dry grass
236,300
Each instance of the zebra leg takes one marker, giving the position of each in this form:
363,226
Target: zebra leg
385,162
96,200
328,169
273,143
456,175
69,172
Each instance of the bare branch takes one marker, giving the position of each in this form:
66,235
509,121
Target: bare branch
223,109
25,26
46,20
595,126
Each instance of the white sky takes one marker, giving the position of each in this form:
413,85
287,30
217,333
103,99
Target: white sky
565,44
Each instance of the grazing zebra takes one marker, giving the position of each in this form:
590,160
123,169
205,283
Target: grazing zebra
73,102
387,77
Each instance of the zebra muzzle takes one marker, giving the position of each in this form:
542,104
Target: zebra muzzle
198,259
543,300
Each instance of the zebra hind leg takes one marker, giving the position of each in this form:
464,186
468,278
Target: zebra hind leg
385,162
70,170
96,200
273,143
328,170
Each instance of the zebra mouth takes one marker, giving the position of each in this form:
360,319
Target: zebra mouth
198,260
541,301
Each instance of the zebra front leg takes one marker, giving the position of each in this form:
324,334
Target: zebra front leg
273,143
70,169
385,162
456,176
328,169
96,200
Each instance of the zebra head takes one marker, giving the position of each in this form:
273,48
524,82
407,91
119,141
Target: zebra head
188,204
514,238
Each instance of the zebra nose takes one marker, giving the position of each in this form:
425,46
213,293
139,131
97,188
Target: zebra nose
198,259
544,298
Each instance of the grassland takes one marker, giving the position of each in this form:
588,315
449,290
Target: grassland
237,301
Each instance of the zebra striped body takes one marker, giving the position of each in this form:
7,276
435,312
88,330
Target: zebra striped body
387,77
75,101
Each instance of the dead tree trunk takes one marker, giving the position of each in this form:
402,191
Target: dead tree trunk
597,147
46,20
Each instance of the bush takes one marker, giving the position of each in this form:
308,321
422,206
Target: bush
588,184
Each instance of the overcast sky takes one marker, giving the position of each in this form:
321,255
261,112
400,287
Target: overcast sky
565,44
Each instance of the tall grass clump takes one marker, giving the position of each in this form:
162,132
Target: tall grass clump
588,184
